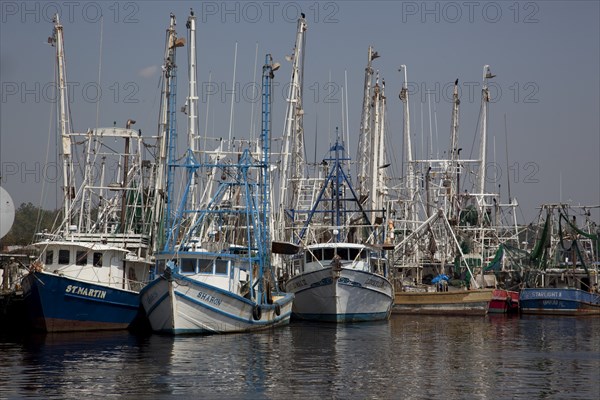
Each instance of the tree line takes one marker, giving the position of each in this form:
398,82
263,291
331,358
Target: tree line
29,220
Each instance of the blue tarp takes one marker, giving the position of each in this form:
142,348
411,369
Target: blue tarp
439,278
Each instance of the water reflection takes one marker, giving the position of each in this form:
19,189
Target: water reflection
408,357
61,364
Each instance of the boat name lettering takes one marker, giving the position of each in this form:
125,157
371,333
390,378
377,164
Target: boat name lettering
209,298
374,282
83,291
297,284
546,294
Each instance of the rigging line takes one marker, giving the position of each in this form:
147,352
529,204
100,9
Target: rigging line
391,155
474,138
207,113
476,130
437,137
39,216
430,139
506,152
403,147
316,136
99,67
343,120
347,119
233,94
329,111
252,130
422,132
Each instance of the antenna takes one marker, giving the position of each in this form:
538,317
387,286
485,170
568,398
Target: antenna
99,66
506,150
232,95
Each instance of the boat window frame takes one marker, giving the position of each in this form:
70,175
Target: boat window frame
205,266
343,252
329,253
61,256
81,257
357,254
97,258
49,257
315,255
218,267
185,263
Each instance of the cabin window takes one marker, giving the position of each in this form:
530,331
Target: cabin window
315,255
97,259
343,253
188,265
49,257
354,254
81,258
64,257
319,254
328,254
205,266
221,267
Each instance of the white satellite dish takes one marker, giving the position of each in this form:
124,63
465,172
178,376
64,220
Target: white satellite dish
7,212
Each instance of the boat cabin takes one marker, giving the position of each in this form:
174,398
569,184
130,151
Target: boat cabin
350,255
577,278
225,270
102,264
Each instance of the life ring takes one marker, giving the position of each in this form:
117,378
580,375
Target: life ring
256,312
277,309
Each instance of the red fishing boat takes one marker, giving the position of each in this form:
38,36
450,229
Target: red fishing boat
504,301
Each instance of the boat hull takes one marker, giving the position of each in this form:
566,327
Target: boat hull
351,296
56,303
559,301
504,302
179,305
459,302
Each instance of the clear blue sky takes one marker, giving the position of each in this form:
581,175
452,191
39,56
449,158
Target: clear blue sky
545,55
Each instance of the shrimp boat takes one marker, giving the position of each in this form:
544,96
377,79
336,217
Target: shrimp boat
454,262
332,255
563,279
504,302
91,268
333,277
214,273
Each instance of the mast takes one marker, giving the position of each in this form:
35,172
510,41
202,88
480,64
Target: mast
377,148
485,99
381,161
192,100
409,156
268,74
374,148
292,170
364,141
167,127
56,40
124,183
454,167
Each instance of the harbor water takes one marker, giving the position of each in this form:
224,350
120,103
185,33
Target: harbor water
407,357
